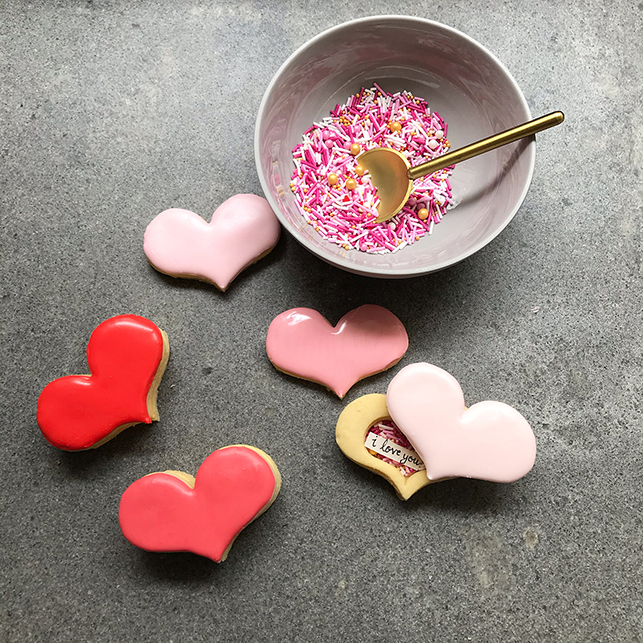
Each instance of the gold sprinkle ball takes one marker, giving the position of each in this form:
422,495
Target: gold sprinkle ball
395,126
351,184
332,179
355,149
359,170
423,214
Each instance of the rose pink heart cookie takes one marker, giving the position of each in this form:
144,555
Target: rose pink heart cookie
489,441
172,511
180,243
367,340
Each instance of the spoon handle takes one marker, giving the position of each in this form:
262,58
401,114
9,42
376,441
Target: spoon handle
487,144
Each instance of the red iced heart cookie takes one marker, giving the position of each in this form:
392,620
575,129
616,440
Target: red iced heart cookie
172,511
490,440
180,243
126,355
365,341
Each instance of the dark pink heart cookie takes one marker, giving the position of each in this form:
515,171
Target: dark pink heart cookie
365,341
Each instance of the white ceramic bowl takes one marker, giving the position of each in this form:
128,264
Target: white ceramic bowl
461,80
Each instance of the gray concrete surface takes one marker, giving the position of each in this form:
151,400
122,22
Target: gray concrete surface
112,112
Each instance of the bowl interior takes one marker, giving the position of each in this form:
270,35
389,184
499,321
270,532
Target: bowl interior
459,78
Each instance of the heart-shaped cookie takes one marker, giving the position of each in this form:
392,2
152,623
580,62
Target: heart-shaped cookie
172,511
367,340
351,431
180,243
489,441
127,356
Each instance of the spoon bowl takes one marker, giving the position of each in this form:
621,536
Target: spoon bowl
389,172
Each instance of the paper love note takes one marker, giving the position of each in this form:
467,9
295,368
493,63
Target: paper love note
490,440
393,451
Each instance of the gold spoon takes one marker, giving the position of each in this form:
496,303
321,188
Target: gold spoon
393,176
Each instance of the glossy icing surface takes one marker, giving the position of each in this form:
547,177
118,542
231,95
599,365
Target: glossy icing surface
180,243
367,340
489,441
124,354
161,512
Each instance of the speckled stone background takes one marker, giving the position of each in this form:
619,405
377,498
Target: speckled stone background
113,111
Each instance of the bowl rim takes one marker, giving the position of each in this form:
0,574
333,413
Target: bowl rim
343,263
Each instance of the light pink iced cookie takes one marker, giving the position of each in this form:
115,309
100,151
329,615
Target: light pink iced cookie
489,441
365,341
180,243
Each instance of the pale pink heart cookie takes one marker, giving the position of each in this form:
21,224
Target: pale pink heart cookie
367,340
489,441
180,243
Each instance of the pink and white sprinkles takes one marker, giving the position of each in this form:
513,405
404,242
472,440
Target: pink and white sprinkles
388,429
332,191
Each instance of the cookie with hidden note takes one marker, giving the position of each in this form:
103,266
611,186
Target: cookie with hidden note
175,512
489,440
243,230
366,434
127,356
365,341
